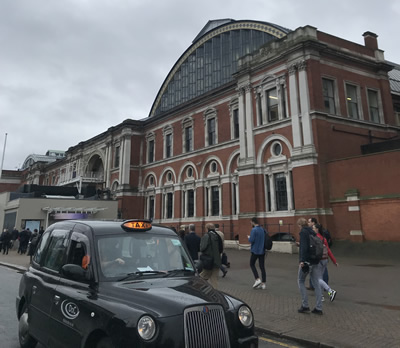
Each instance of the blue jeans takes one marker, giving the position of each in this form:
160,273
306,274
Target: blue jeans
314,275
322,268
325,278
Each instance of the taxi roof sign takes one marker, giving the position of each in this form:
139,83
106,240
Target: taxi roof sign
137,225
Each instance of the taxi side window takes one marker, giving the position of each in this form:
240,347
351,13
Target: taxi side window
77,253
57,248
41,246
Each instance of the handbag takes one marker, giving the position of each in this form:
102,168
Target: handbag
207,261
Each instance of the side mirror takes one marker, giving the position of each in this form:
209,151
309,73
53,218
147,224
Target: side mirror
74,272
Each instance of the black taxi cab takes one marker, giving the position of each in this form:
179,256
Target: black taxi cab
105,284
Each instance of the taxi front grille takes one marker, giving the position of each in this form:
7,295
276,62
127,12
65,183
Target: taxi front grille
205,326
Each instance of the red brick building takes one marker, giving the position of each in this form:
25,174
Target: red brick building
257,120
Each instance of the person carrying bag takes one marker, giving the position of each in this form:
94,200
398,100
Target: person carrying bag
210,255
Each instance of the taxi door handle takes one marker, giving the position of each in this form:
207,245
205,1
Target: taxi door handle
34,288
56,299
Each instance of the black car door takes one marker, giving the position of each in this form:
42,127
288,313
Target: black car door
44,279
71,313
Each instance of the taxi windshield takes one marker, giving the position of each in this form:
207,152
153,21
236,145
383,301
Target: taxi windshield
141,253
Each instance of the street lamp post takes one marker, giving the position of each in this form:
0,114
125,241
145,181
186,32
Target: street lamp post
2,159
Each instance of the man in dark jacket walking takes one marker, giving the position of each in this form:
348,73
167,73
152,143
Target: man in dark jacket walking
209,245
24,237
5,238
305,268
192,241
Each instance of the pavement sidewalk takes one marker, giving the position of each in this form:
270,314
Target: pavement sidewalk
365,313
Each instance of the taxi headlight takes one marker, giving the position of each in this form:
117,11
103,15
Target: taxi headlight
146,327
245,316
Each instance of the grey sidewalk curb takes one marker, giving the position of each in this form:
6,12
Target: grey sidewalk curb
308,343
16,267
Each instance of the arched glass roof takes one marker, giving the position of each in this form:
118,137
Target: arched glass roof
212,59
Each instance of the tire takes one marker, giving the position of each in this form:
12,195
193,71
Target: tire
105,342
25,339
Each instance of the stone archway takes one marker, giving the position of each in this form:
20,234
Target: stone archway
95,167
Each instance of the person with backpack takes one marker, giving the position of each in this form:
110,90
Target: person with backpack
310,253
224,257
325,276
324,262
211,248
256,238
33,242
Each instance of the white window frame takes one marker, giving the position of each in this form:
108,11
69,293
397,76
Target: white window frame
117,146
186,123
208,115
359,104
234,106
380,106
335,94
150,137
168,131
267,84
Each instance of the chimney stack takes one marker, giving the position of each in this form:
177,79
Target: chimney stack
370,40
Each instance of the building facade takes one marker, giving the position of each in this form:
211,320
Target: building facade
257,120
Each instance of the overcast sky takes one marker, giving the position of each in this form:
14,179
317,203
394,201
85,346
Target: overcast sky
70,69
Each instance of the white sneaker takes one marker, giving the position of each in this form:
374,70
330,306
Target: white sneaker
262,287
332,295
257,283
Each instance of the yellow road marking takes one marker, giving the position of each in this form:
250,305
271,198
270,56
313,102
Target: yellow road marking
278,343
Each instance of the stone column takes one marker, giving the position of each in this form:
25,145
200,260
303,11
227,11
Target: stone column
294,108
242,126
272,191
249,125
126,157
305,104
289,190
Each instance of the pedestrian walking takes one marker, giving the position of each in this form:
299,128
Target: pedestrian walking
325,276
5,239
221,234
256,238
211,248
33,242
182,232
14,238
324,262
24,237
192,241
305,268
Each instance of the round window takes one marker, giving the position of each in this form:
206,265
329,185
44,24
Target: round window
151,180
213,167
189,172
169,176
277,149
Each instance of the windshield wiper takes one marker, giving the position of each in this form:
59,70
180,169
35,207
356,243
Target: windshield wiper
137,274
178,270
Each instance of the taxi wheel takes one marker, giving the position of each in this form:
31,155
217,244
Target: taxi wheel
105,342
25,339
